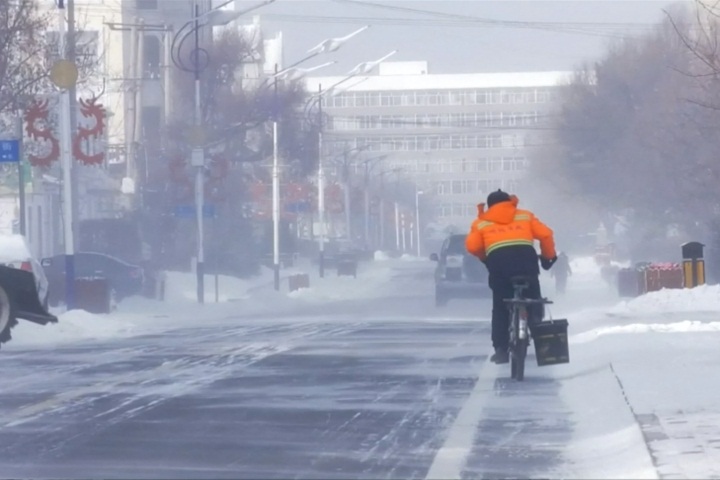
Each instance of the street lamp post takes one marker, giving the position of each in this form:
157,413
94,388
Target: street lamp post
417,219
276,209
397,226
294,73
321,190
198,161
327,46
64,75
197,158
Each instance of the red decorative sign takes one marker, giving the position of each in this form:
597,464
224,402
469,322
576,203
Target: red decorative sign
36,112
90,109
214,185
179,176
334,198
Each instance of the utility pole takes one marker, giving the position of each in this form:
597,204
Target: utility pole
321,188
21,174
132,74
64,75
199,164
71,55
366,201
276,191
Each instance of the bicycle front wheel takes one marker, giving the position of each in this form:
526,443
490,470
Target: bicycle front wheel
517,360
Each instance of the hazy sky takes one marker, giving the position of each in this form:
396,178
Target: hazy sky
468,35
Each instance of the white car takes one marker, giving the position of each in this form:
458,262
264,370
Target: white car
23,286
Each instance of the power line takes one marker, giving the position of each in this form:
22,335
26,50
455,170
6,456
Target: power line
440,19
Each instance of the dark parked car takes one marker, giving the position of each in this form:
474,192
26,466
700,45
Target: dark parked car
458,274
123,278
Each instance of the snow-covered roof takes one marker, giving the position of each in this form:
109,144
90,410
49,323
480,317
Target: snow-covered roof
457,81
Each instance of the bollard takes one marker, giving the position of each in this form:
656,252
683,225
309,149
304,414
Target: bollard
693,264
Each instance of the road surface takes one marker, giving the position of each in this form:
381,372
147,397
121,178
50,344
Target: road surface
387,388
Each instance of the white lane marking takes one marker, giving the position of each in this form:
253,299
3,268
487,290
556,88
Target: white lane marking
451,458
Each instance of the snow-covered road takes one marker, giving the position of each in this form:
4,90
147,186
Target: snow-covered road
375,384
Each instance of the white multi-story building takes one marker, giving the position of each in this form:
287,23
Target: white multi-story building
457,136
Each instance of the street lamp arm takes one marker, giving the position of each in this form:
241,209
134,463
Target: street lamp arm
332,44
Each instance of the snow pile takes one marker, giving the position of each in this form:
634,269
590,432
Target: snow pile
13,248
379,255
705,298
369,283
72,326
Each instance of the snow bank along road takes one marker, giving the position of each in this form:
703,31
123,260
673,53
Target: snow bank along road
388,388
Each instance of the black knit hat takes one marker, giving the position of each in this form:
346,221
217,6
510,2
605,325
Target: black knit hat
497,197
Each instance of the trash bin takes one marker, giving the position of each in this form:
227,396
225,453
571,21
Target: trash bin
693,264
630,282
551,342
298,281
93,294
347,265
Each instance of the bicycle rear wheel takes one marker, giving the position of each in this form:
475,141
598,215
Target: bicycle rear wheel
518,350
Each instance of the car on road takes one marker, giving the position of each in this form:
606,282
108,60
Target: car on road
458,274
24,288
124,279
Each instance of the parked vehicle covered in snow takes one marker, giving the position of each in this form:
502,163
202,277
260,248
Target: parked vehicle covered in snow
23,286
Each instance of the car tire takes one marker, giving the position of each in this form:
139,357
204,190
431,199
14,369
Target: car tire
441,298
7,316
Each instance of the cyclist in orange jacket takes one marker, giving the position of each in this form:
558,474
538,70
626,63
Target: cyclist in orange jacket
503,238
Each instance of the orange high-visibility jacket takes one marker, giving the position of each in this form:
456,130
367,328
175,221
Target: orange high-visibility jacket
504,225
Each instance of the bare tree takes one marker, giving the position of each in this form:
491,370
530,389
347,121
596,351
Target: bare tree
23,50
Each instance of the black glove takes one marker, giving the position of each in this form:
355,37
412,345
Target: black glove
547,264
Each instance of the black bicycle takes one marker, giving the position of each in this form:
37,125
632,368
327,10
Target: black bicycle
522,319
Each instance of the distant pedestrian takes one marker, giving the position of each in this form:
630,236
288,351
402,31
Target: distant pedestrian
561,272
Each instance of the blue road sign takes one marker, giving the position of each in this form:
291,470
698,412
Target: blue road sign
188,211
9,151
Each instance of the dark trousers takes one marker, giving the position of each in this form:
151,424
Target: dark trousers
502,288
504,264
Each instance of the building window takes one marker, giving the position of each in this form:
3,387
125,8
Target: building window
146,4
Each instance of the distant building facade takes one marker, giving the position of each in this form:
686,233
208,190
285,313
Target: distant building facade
457,136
